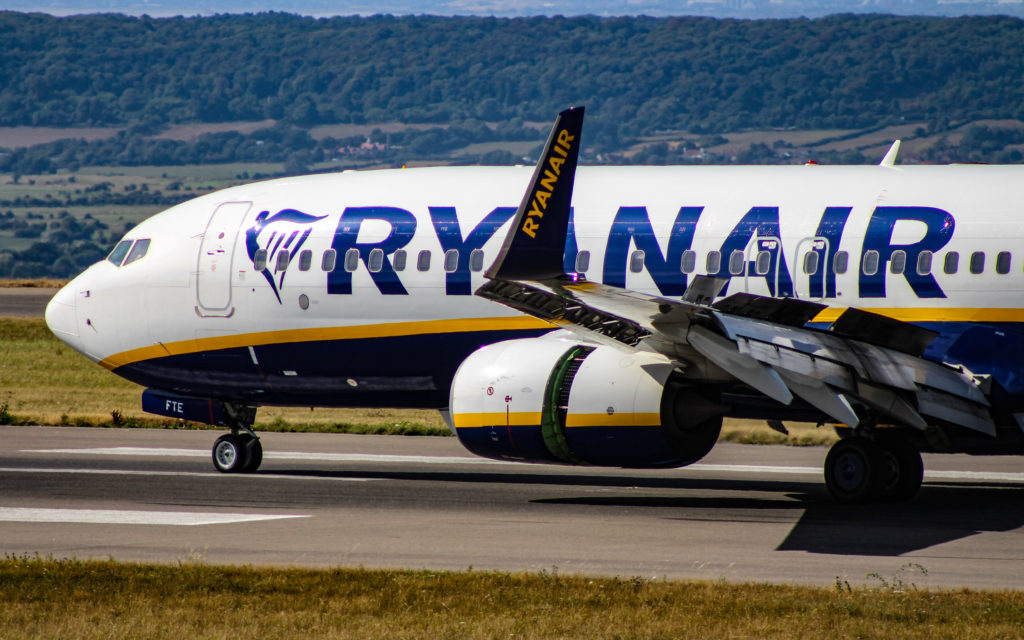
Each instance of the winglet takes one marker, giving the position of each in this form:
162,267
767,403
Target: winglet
535,245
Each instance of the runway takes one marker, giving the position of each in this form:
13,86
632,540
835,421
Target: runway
746,513
24,302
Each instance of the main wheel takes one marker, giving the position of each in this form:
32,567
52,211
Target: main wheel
253,452
229,454
854,470
902,471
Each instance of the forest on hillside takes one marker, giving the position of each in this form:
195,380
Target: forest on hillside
654,88
636,75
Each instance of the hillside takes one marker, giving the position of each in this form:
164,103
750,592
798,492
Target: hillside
636,75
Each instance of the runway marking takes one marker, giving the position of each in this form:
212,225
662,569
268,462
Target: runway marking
184,474
977,476
276,455
112,516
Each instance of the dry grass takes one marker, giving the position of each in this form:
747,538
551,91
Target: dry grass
801,434
73,599
33,283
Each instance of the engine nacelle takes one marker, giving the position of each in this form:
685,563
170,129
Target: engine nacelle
554,399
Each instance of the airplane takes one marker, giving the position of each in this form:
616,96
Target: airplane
614,318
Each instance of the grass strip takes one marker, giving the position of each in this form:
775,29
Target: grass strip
71,599
33,283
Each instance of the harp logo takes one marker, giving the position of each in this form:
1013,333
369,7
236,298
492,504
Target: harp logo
285,231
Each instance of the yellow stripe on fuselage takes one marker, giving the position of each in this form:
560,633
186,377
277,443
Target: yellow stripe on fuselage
933,314
356,332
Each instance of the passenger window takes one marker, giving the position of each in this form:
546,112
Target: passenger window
763,263
305,260
398,260
924,263
329,260
259,261
376,260
952,263
451,260
736,260
1002,262
841,262
582,261
476,260
120,251
689,262
714,262
352,260
636,261
898,261
423,261
869,264
811,263
977,262
138,251
282,259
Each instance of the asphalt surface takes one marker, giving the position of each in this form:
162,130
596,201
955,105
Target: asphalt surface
746,513
24,302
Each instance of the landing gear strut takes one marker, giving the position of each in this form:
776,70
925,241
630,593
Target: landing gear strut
239,451
861,470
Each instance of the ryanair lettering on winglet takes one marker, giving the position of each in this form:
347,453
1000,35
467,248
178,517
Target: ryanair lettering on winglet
552,172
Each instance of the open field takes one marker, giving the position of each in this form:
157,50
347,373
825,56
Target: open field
14,137
77,599
43,381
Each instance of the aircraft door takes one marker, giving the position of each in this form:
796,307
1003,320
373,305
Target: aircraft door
213,272
762,262
810,268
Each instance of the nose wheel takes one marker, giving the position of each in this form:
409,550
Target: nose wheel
239,451
859,470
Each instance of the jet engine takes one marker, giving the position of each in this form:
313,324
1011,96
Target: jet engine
558,400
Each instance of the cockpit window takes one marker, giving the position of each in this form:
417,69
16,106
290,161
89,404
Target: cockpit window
119,252
138,251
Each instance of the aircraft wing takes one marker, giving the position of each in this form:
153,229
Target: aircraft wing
862,366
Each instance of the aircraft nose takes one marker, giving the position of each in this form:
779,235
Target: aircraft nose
60,313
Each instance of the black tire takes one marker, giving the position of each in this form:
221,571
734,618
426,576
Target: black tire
854,470
228,454
902,471
253,452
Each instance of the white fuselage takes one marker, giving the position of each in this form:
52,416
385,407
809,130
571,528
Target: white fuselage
199,293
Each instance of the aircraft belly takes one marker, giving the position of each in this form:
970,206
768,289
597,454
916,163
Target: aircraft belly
401,371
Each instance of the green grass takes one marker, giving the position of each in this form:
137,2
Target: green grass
72,599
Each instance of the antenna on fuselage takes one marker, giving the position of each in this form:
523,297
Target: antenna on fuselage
890,156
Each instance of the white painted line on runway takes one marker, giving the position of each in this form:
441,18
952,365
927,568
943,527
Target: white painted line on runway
274,455
175,474
978,476
981,476
112,516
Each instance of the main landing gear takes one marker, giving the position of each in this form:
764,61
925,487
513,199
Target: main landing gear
861,470
239,451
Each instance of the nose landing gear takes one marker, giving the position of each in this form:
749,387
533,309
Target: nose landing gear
239,451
